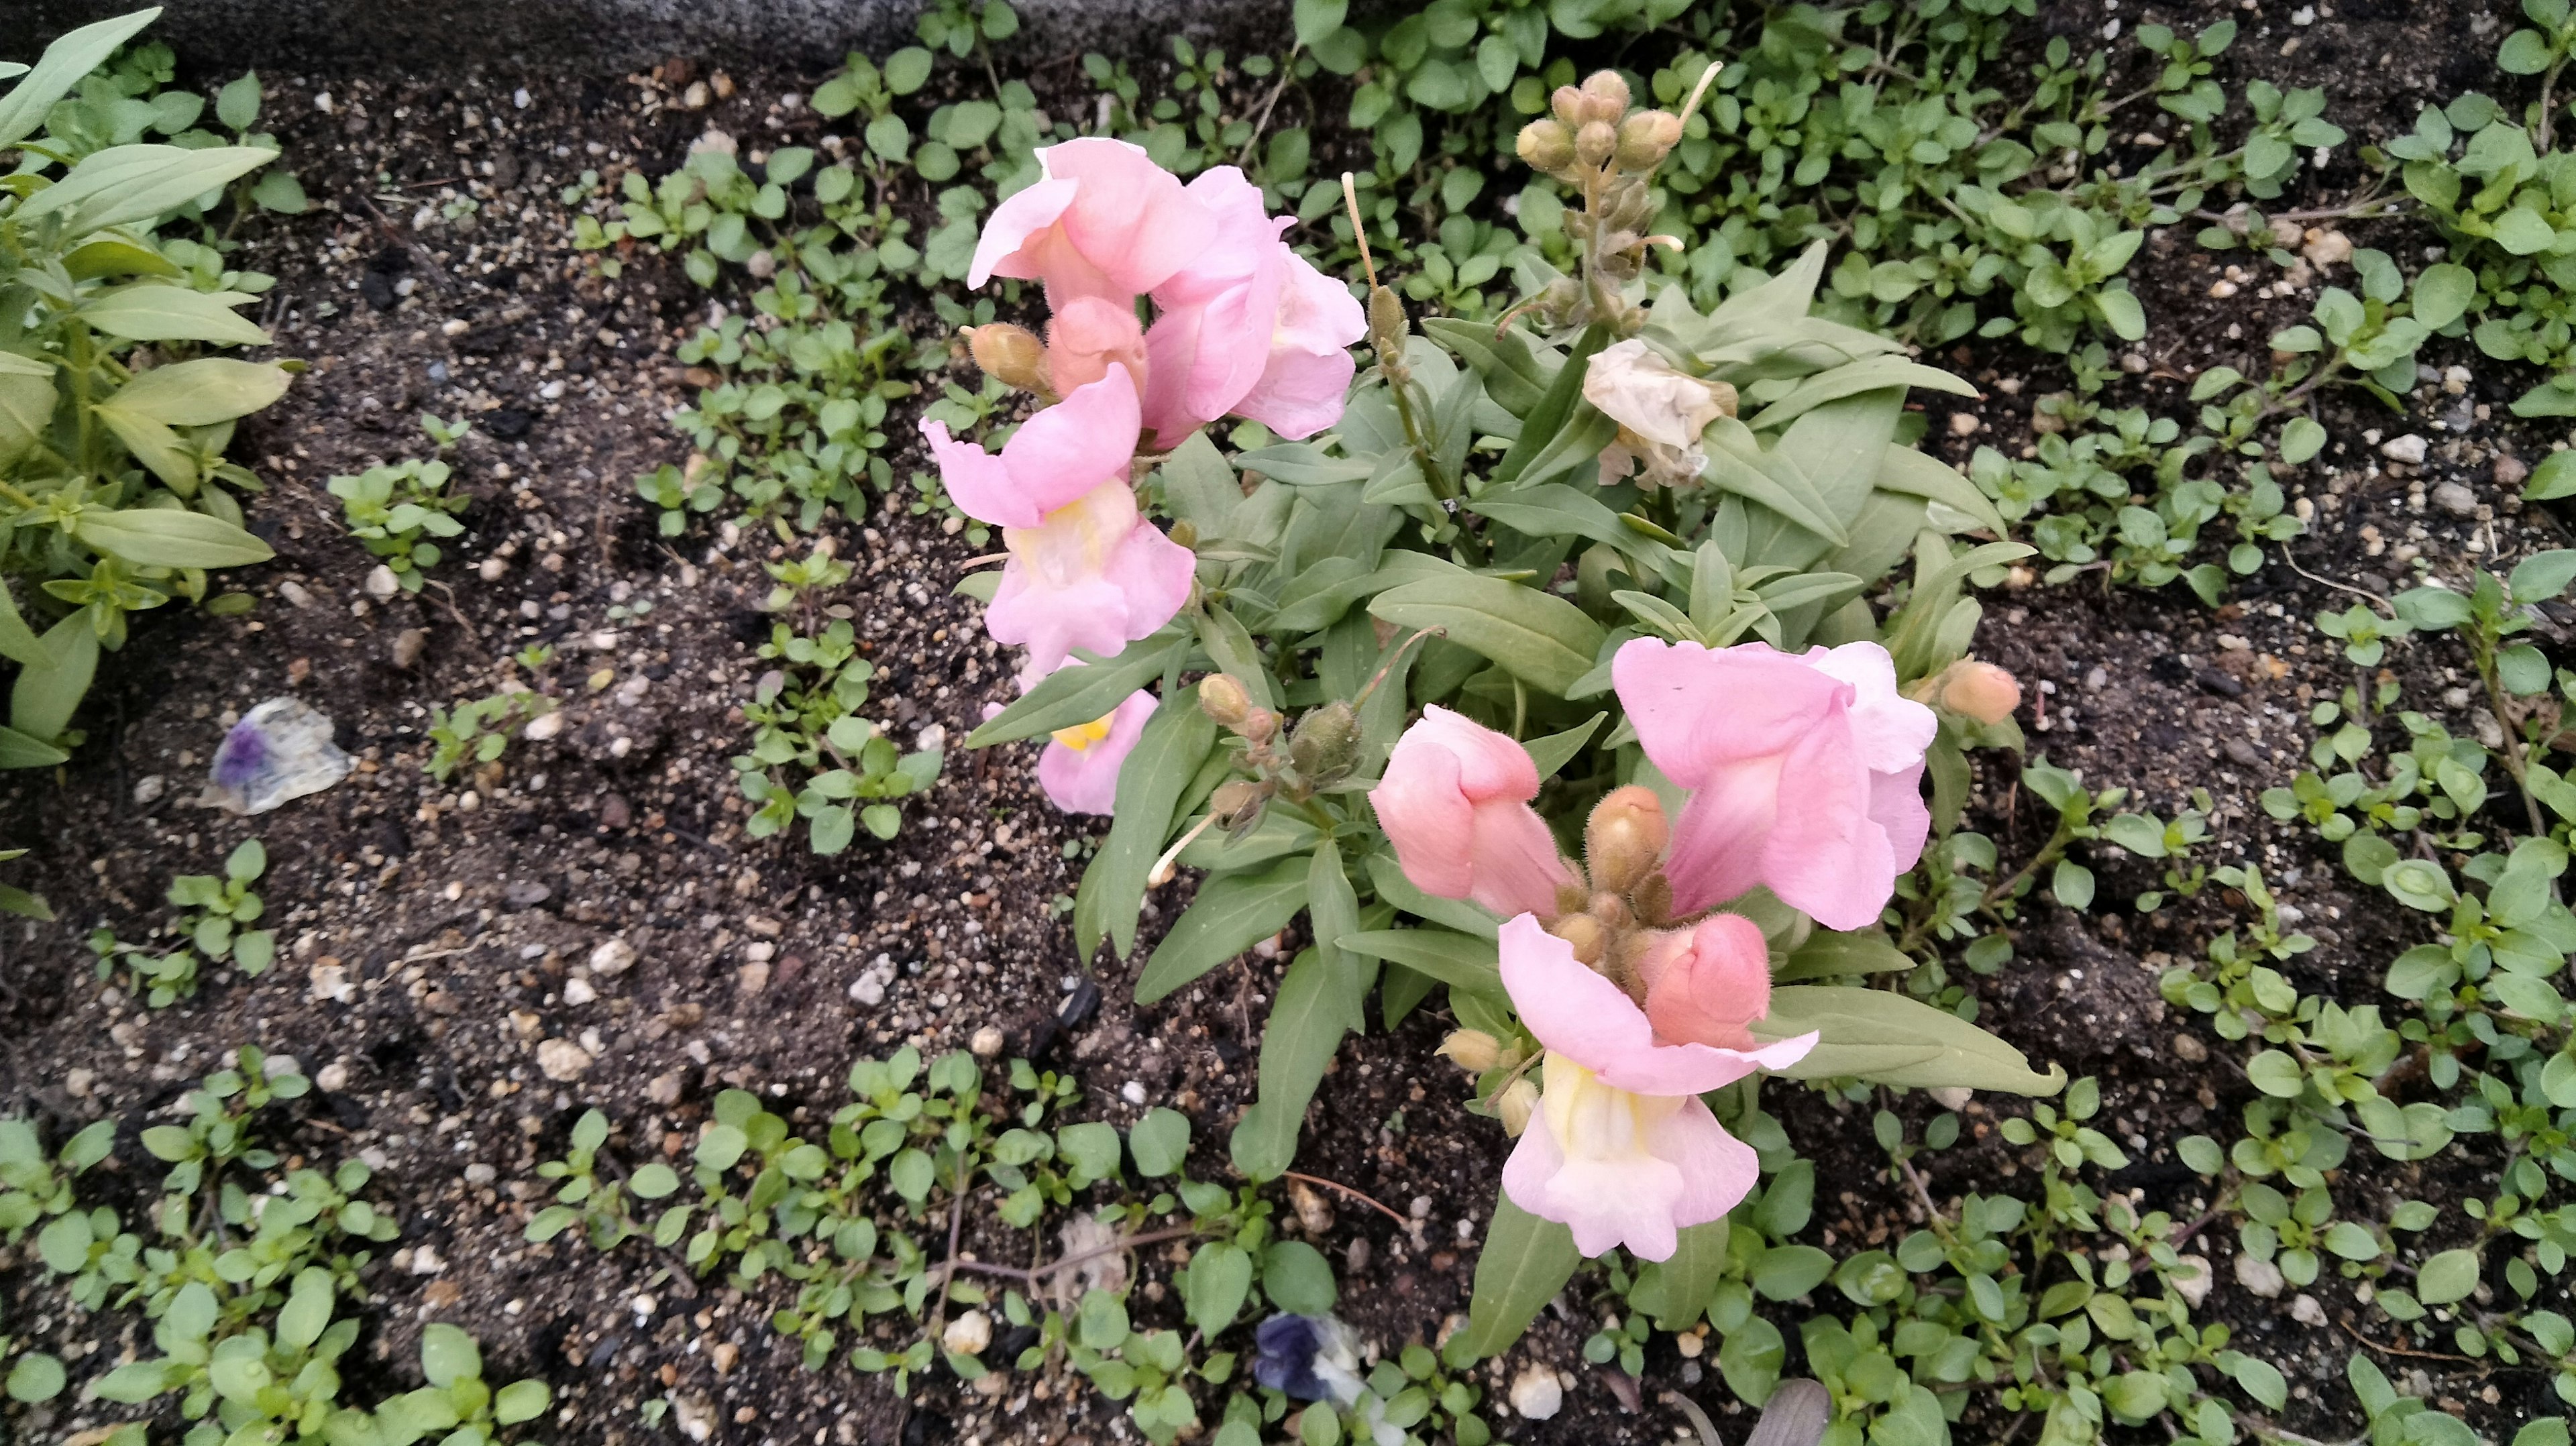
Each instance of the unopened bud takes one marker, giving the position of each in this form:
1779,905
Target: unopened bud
1595,143
1646,138
1185,533
1981,691
1386,324
1225,700
1606,95
1518,1103
1568,104
1325,747
1012,355
1612,912
1625,837
1546,145
1472,1050
1653,899
1591,941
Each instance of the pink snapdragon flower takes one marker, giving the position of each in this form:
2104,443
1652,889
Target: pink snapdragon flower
1079,769
1621,1150
1806,771
1455,803
1105,221
1088,337
1248,327
1093,574
1062,453
1708,984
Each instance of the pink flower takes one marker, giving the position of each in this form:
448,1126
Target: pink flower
1087,338
1092,574
1455,803
1106,221
1248,327
1079,769
1058,455
1705,985
1806,771
1622,1150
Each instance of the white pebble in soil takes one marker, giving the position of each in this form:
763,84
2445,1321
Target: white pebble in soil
1133,1092
1536,1393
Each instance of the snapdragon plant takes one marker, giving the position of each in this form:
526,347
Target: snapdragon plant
1629,562
114,493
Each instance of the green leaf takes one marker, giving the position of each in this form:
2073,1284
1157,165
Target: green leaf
2443,293
1525,1262
151,311
18,642
17,750
2523,232
1232,913
1392,886
1316,19
200,393
1537,637
168,537
2301,440
448,1355
1827,953
1559,749
1309,1014
1888,1038
42,701
307,1310
1677,1290
1159,1142
1071,696
35,1378
520,1401
73,55
1175,742
1461,961
2447,1277
138,183
1220,1278
2275,1074
1297,1278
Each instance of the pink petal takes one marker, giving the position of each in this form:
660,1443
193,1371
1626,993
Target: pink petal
1604,1203
1695,707
1088,337
1718,847
1717,1169
1591,1021
1891,729
1491,764
1085,780
1300,393
1023,214
1896,804
1067,450
977,481
1316,313
1131,218
1094,576
1517,865
1706,985
1427,816
1826,856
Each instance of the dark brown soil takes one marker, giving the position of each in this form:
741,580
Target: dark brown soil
429,932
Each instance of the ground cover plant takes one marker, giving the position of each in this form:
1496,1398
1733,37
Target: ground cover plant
1424,592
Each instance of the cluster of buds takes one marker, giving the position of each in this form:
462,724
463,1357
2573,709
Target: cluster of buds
1608,153
1501,1071
1320,751
1979,692
1610,910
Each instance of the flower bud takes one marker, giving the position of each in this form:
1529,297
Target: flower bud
1605,95
1568,104
1981,691
1519,1102
1238,805
1472,1050
1646,138
1590,940
1012,355
1387,326
1546,145
1594,144
1225,700
1325,746
1625,838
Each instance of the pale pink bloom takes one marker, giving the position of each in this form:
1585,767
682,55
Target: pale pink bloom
1062,453
1705,985
1455,803
1079,768
1622,1150
1248,327
1806,772
1092,574
1106,221
1088,337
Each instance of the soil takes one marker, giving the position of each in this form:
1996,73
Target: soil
434,936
